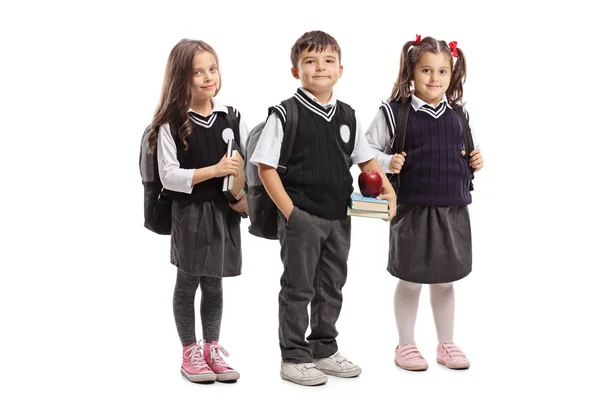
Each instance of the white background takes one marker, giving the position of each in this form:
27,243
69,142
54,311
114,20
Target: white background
86,291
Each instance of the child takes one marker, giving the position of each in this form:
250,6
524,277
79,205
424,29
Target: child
205,232
430,237
312,197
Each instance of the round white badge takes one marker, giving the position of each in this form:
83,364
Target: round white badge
345,133
227,134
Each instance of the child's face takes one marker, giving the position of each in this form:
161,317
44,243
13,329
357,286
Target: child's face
318,72
431,77
205,78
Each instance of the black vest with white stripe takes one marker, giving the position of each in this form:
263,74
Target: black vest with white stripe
318,178
206,147
434,172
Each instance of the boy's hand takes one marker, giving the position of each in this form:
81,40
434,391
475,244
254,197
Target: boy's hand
397,162
241,205
391,198
475,160
227,166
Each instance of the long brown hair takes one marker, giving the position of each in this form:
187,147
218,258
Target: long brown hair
176,96
411,53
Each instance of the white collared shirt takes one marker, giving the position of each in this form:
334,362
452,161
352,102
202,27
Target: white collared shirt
268,148
378,135
171,175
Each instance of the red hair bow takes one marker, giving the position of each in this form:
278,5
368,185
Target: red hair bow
417,40
453,48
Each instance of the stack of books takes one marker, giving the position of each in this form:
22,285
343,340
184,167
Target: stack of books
370,207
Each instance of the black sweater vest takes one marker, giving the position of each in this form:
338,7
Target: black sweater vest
206,147
318,178
434,172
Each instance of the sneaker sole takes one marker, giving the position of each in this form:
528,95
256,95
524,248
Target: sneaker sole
199,378
321,380
353,373
412,368
459,366
228,376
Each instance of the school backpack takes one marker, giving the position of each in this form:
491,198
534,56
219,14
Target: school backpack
261,209
157,199
399,135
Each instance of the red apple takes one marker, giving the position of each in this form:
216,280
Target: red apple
370,183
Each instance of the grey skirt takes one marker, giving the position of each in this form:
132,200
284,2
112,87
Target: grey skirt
430,244
205,238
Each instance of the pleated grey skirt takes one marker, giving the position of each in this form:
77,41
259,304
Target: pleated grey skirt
205,238
430,244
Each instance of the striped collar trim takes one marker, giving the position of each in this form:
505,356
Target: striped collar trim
208,121
312,104
435,112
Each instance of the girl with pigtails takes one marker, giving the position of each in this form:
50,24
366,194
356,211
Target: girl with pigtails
422,137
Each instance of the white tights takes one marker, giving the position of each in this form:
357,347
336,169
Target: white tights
406,303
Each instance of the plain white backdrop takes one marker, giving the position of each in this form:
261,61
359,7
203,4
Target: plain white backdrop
86,291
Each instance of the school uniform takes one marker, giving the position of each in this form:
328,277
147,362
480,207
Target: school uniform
315,240
430,236
205,232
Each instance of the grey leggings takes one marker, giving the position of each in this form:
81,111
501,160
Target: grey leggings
211,307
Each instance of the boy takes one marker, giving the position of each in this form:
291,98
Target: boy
312,197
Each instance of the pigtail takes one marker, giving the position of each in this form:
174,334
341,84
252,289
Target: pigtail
401,89
459,76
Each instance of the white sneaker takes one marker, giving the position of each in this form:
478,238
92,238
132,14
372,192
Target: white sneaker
338,365
305,374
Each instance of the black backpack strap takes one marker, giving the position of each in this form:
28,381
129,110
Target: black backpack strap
290,126
467,137
349,115
233,120
397,144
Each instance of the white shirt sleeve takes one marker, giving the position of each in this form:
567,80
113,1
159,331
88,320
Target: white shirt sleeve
268,148
378,137
171,175
361,152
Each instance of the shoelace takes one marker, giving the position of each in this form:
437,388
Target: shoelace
215,357
197,361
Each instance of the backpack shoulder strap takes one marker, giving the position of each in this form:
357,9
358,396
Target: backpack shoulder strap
349,115
467,136
289,109
397,142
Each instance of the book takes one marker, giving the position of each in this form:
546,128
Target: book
233,186
362,203
368,214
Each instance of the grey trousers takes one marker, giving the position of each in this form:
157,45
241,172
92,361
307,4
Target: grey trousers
314,252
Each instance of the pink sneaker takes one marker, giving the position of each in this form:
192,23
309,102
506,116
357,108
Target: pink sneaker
452,356
193,365
212,357
410,358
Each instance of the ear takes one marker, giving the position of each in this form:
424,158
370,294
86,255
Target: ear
295,73
341,70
